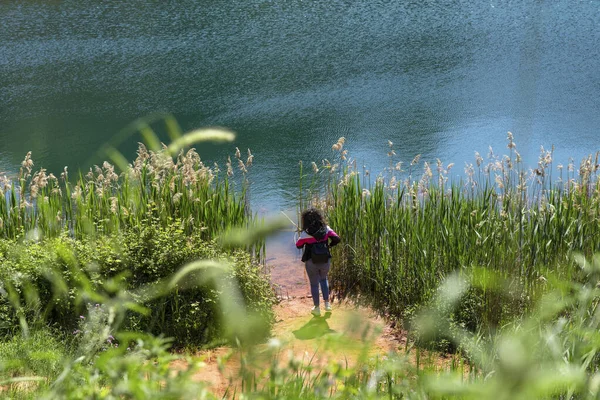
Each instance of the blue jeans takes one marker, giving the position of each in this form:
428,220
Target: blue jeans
317,275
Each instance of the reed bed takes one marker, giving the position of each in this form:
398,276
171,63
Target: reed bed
155,186
404,231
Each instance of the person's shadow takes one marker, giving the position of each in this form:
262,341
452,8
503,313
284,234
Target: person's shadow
314,328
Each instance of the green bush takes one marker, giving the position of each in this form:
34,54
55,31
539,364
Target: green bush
146,254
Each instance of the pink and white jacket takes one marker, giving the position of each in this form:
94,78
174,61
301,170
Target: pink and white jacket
307,240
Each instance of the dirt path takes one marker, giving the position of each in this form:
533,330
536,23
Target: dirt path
338,336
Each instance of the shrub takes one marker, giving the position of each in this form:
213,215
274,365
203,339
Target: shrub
146,254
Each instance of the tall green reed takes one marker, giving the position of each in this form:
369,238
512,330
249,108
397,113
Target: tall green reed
167,183
403,233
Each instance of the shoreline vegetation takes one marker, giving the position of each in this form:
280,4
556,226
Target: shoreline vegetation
108,232
510,231
101,277
104,202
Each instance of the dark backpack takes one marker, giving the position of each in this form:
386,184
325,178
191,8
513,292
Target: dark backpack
319,252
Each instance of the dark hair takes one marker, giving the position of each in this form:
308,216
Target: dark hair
312,221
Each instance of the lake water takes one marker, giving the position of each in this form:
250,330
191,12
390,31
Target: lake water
440,78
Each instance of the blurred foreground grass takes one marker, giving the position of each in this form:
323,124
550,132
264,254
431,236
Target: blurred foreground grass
550,351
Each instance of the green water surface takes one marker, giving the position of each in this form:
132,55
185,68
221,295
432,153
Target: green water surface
441,78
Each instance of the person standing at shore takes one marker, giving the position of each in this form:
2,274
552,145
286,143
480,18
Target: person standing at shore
316,239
